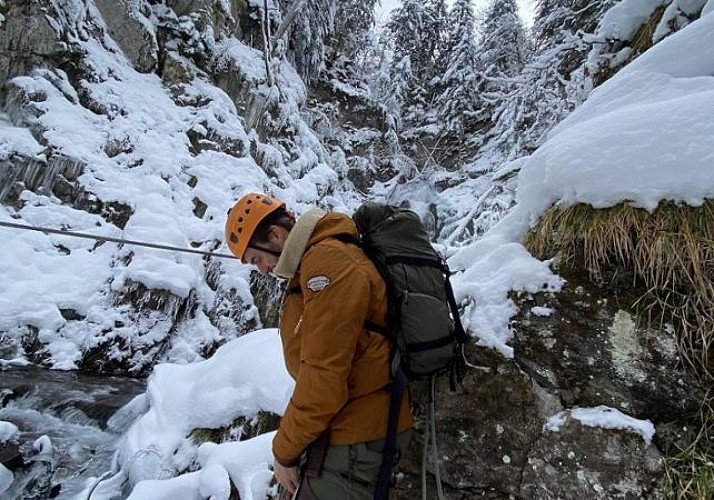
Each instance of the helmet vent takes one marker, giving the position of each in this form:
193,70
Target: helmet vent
234,238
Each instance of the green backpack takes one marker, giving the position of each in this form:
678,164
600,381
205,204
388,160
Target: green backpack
423,319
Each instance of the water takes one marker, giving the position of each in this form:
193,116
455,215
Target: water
73,410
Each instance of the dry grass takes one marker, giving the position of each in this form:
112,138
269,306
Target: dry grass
689,471
669,254
643,37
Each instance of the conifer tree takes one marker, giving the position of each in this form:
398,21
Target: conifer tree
408,35
353,21
307,35
457,102
437,25
502,48
563,24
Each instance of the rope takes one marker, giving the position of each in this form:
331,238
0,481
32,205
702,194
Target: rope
432,423
430,434
425,452
88,236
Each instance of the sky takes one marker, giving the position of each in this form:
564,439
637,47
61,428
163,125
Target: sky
526,8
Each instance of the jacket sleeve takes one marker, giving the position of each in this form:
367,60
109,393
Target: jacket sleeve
336,302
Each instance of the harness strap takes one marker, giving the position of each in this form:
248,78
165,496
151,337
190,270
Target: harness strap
389,454
316,454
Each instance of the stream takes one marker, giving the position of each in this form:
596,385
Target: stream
77,414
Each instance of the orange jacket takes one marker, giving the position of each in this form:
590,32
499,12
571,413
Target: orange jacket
341,370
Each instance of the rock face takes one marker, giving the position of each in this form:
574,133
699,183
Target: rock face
578,349
58,54
27,39
590,351
131,30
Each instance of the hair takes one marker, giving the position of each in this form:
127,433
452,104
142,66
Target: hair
280,217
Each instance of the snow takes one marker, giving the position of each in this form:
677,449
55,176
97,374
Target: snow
17,141
6,477
492,267
541,311
136,153
625,18
43,446
8,432
243,377
643,136
604,418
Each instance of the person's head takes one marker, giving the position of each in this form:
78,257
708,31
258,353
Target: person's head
256,229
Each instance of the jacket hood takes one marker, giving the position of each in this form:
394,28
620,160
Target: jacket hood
311,228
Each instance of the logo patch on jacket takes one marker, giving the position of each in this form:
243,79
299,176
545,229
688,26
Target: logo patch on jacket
318,283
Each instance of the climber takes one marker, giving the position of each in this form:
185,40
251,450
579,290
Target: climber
330,440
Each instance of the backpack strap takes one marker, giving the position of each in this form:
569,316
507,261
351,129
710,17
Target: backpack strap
390,454
459,331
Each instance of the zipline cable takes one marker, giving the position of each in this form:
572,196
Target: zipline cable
88,236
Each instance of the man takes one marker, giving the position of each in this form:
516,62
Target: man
341,370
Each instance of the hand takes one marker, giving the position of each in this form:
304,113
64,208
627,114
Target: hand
287,477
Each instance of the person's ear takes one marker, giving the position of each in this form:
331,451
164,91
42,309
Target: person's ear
274,234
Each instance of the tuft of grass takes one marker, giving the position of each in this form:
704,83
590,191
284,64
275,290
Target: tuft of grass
689,470
643,38
668,252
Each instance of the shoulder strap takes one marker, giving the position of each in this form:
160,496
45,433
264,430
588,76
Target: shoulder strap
459,331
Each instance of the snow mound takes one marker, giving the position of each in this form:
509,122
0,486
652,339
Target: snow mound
243,377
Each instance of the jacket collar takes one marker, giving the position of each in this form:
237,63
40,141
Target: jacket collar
297,242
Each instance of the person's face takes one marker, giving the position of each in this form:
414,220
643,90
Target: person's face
265,262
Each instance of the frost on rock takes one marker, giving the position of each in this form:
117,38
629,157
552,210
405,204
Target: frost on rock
112,149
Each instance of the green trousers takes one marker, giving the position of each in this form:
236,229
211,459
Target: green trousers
349,471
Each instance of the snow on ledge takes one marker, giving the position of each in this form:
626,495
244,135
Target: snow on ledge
8,431
603,417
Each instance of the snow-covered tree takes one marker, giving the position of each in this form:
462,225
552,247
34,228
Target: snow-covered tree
457,104
353,21
313,23
437,25
500,56
557,20
410,39
531,104
503,45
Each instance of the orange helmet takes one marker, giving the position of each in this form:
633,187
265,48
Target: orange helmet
244,218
